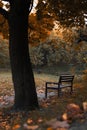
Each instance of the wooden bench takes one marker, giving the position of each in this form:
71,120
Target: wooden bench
65,81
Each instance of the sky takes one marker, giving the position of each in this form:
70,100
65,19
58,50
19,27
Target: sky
34,5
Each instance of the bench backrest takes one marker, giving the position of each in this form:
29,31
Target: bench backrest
66,78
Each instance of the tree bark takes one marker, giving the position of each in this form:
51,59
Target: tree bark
22,74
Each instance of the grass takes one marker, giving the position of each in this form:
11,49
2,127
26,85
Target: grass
50,108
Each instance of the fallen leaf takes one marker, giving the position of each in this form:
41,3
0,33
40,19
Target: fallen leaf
61,129
16,127
40,120
29,121
64,116
49,128
85,106
58,124
30,127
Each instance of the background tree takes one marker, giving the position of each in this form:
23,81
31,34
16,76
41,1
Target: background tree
37,33
4,55
22,75
4,27
69,12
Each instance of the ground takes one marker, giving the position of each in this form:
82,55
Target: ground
50,108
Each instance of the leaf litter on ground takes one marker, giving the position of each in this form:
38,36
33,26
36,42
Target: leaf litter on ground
50,108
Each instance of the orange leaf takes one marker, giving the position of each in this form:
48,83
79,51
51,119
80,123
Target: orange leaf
16,127
50,128
29,121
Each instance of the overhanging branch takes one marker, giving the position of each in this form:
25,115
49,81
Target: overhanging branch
6,0
4,13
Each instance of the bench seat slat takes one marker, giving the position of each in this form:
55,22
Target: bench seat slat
61,86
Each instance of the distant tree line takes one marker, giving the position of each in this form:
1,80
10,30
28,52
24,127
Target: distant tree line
56,51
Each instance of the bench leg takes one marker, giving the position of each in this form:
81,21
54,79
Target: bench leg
59,92
71,90
46,92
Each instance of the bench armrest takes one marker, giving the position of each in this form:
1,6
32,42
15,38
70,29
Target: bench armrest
49,83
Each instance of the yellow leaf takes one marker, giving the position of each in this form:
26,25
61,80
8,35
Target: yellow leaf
29,121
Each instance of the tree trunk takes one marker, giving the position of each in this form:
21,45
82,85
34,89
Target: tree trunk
22,75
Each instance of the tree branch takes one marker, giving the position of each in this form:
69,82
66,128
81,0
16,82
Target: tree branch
4,13
6,0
